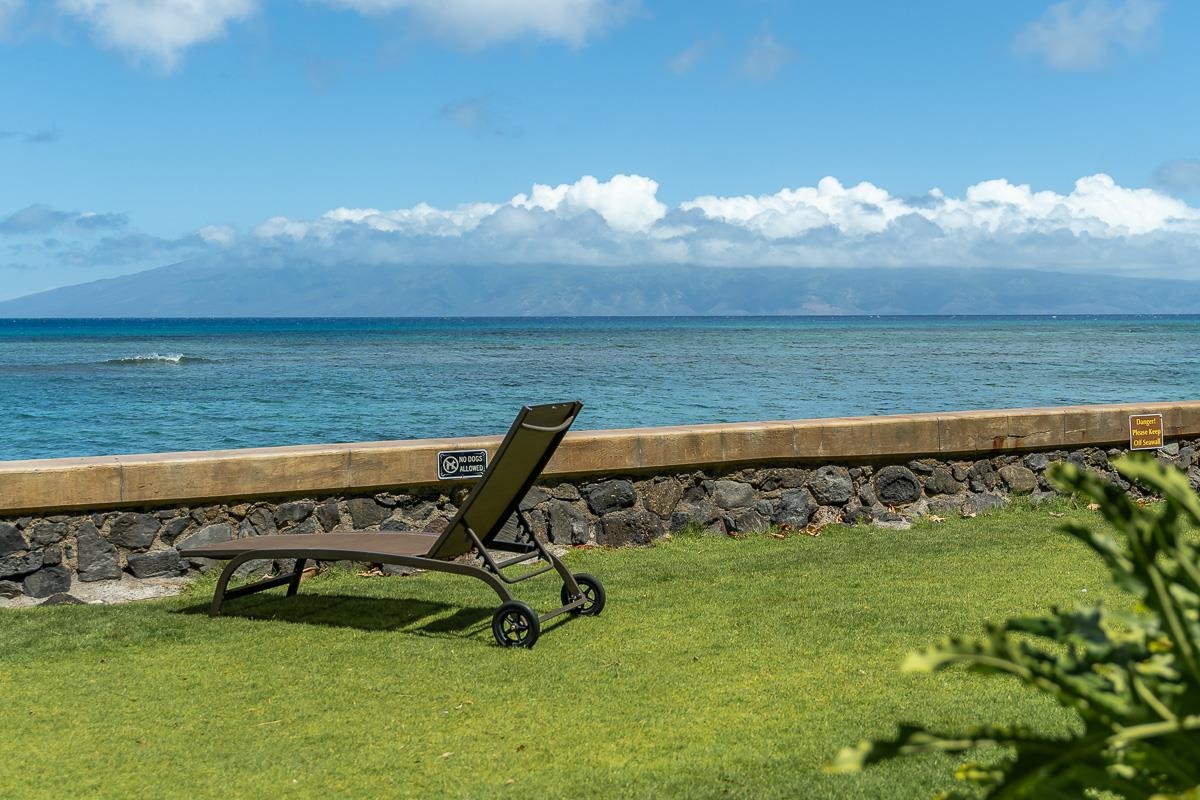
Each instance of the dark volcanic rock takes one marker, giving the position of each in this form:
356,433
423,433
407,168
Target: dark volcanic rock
831,485
782,478
660,495
172,528
983,502
941,481
134,531
896,485
981,476
609,496
11,540
220,532
795,508
262,520
48,581
155,563
9,589
630,527
701,512
290,513
732,494
307,526
567,523
1020,480
533,498
854,514
1037,461
62,599
746,520
97,557
565,491
12,566
365,512
45,533
328,515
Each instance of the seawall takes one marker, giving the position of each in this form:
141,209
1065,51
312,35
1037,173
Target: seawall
64,521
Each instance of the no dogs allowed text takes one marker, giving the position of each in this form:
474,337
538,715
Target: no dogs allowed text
457,464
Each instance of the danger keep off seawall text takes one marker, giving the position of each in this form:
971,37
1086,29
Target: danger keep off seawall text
1145,431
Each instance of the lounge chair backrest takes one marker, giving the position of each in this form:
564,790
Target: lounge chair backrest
515,466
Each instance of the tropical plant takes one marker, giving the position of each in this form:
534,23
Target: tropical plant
1132,678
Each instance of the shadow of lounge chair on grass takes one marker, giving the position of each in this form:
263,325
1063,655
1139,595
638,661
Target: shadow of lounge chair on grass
518,462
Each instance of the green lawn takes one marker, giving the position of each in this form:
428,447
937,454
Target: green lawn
719,668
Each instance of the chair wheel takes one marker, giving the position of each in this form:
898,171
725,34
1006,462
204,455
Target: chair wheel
516,625
592,589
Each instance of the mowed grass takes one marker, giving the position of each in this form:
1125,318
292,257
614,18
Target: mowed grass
720,668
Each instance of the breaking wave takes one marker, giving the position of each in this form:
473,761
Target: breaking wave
150,359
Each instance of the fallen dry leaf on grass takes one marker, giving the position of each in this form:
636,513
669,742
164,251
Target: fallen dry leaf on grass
935,518
1057,514
1093,506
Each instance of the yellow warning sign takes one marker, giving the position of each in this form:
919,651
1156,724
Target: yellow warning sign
1145,431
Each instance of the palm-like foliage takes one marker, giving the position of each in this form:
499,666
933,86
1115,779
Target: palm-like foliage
1133,679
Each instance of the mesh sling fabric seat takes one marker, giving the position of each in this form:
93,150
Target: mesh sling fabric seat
494,499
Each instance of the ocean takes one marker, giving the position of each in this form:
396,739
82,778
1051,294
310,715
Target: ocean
97,387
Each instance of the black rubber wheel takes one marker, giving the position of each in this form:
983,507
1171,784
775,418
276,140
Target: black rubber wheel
592,589
516,625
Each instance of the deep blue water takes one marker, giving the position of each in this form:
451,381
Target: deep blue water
91,387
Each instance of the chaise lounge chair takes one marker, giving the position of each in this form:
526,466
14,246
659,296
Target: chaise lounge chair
517,463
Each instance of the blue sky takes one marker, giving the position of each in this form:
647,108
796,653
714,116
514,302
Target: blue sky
136,133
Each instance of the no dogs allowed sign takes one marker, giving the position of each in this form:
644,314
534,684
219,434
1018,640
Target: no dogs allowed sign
457,464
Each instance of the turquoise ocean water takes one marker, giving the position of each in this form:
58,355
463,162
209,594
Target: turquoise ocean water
91,387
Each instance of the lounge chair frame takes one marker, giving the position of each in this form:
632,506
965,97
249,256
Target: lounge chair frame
581,593
491,573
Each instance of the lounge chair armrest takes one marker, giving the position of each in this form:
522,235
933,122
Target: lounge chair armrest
547,429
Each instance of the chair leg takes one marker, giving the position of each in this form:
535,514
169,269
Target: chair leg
222,593
222,582
295,584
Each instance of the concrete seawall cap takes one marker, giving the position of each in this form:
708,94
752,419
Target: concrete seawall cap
209,476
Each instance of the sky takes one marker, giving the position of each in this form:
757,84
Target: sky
984,134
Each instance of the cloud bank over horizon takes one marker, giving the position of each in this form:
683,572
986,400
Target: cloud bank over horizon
1097,227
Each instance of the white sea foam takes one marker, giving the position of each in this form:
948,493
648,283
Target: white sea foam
157,358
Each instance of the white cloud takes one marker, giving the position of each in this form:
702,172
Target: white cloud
163,30
684,61
765,58
421,219
282,227
1098,226
9,10
476,24
1096,206
627,202
158,29
221,235
1083,34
